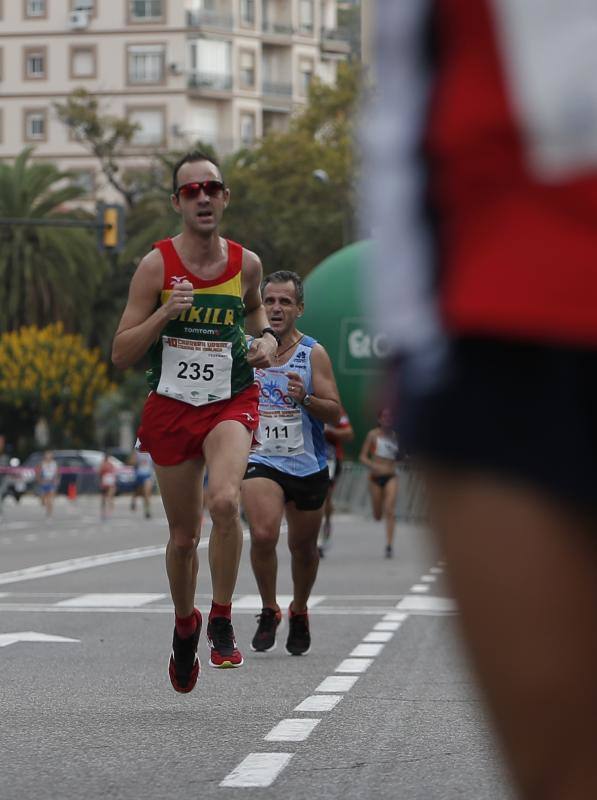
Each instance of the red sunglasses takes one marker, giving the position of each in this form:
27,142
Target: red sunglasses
190,191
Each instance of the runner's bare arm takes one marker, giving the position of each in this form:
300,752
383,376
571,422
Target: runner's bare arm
263,348
142,320
325,401
364,455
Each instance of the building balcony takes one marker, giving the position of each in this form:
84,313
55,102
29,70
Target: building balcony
210,81
277,89
277,32
209,19
335,41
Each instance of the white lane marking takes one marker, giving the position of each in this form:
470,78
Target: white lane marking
354,665
253,602
367,650
387,626
257,770
419,588
89,562
395,616
378,636
319,702
31,636
436,570
74,564
292,730
337,683
31,537
427,605
15,526
129,600
428,579
323,611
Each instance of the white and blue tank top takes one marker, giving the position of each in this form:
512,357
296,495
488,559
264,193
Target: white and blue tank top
291,440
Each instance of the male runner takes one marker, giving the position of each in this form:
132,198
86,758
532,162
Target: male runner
482,148
188,303
289,474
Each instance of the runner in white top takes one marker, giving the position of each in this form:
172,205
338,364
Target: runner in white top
297,395
47,481
380,454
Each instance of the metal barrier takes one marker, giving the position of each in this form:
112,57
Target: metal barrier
351,493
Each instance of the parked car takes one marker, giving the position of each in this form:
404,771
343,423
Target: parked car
80,467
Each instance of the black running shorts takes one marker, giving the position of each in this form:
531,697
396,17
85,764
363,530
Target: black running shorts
308,492
526,412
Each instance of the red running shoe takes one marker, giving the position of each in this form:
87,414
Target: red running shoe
184,667
220,637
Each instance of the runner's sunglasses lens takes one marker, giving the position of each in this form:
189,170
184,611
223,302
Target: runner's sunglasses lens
191,190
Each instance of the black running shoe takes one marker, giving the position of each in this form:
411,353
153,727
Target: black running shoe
298,642
184,667
389,552
265,636
220,637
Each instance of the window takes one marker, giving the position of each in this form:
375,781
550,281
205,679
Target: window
88,5
210,64
306,75
146,63
35,125
35,63
35,8
306,16
247,13
146,10
247,69
83,62
247,128
152,126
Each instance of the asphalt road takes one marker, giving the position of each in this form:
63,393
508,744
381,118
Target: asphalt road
383,706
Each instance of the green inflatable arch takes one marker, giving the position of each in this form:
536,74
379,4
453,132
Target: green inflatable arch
336,315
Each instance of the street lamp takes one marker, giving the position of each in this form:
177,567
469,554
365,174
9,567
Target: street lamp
322,176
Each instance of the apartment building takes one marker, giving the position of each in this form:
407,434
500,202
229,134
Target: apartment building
223,71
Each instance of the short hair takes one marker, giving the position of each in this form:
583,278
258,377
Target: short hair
284,276
190,158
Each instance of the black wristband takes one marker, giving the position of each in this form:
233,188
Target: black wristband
273,333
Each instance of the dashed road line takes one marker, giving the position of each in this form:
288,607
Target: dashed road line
257,770
261,769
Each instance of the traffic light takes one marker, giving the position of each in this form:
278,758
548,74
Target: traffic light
110,225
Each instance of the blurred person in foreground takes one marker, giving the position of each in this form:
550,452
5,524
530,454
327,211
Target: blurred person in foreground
482,148
189,303
335,437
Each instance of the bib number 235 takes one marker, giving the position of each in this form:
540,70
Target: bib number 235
193,371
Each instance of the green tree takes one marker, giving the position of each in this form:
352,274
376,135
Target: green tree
104,136
46,273
48,374
292,197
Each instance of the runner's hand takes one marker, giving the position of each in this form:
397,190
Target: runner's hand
262,351
296,387
181,299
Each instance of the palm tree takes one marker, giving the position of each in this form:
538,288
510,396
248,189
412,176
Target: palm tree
46,273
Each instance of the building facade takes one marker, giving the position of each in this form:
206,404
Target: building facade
225,72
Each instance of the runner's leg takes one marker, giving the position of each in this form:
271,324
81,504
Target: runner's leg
524,572
263,501
303,528
226,450
376,495
181,487
390,493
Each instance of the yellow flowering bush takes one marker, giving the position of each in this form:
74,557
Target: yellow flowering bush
45,372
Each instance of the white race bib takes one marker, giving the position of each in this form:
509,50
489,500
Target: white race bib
195,372
281,433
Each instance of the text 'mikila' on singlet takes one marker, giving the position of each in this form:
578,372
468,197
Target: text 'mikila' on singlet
200,356
292,441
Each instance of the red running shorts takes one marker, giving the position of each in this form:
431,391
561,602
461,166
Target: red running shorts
173,432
